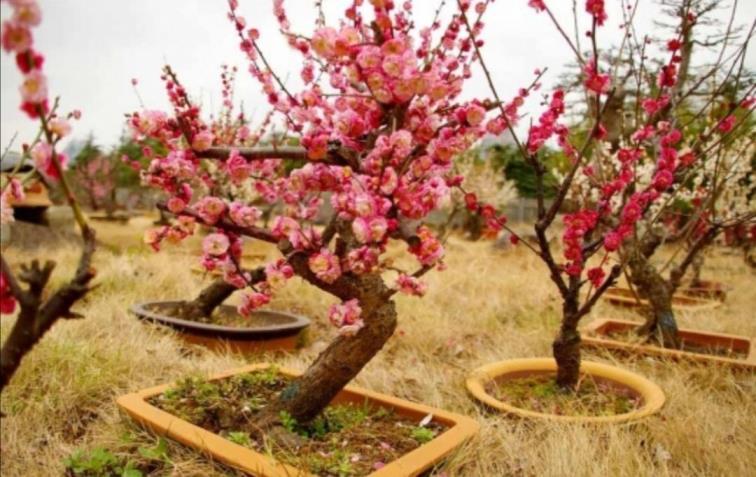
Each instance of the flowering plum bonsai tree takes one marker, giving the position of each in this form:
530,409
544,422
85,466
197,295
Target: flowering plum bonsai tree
39,308
379,122
612,209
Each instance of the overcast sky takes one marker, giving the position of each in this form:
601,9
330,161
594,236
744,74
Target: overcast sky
94,48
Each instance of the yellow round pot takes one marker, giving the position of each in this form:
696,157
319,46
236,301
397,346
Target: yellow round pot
651,394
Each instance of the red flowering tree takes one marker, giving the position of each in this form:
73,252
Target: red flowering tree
614,206
379,122
703,114
39,308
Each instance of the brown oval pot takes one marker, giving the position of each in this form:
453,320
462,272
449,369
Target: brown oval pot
624,297
598,335
115,218
653,396
705,289
459,429
286,335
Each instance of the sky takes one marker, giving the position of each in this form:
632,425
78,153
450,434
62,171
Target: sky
94,48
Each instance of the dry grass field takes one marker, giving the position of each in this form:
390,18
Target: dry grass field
489,305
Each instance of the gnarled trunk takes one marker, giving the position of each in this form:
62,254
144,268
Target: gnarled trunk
208,300
566,346
660,320
697,266
338,364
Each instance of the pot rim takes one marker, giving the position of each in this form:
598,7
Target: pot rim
652,394
294,324
595,337
694,303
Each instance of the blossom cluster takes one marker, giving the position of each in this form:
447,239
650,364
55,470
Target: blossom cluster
381,127
17,39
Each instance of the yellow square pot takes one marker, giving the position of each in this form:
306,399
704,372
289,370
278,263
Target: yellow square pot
459,429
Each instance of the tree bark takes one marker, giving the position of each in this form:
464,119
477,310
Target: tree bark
21,339
566,346
697,266
208,300
338,364
36,316
660,320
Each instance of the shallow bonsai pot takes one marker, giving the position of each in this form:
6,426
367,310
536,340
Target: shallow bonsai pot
459,429
597,335
705,289
652,395
117,218
624,297
285,334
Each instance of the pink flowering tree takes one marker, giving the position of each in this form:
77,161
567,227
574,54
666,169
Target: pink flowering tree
39,308
93,176
614,206
380,123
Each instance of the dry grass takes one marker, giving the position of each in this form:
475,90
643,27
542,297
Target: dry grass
489,305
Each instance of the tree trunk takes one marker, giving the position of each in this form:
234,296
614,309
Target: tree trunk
208,300
163,219
697,266
566,347
344,358
21,339
660,320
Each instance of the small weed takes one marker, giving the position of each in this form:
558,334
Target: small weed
288,422
99,462
423,434
239,437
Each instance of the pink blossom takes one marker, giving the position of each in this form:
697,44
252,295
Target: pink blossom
251,302
474,114
176,204
361,260
726,124
429,249
7,300
34,87
662,180
538,5
667,76
410,285
215,244
13,192
237,166
596,276
60,126
42,155
597,10
277,273
210,209
153,237
27,13
16,37
612,241
594,81
325,265
243,215
202,141
346,316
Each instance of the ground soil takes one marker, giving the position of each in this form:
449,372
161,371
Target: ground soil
540,393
